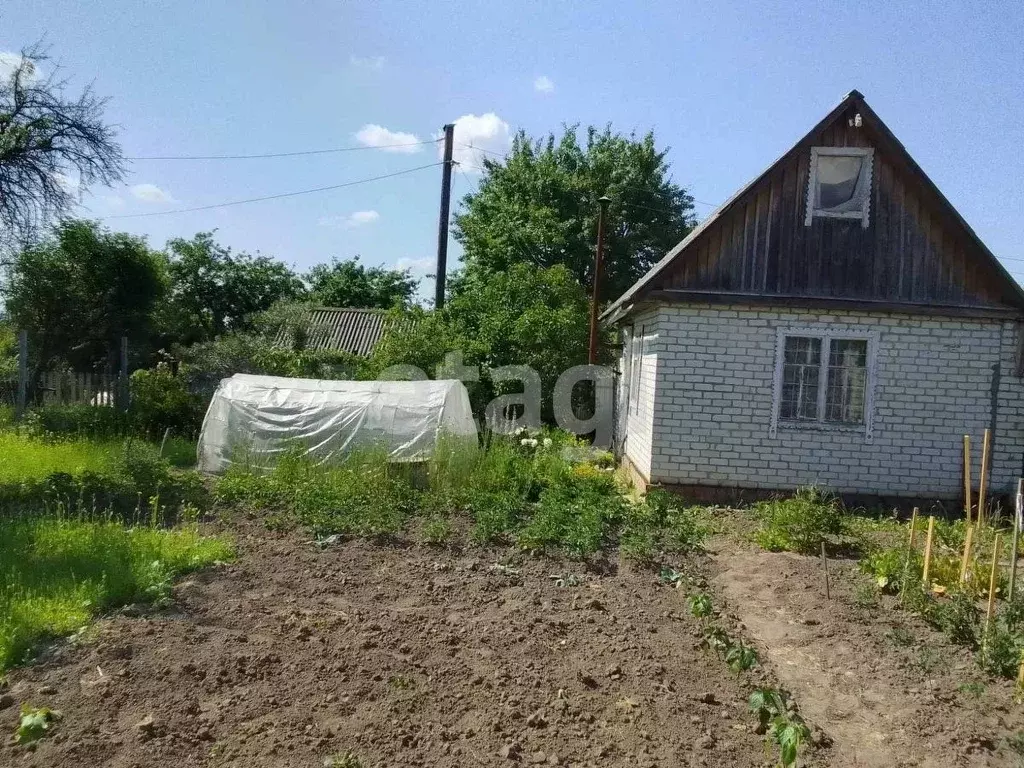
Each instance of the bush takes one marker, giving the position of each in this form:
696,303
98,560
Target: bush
160,401
801,523
80,420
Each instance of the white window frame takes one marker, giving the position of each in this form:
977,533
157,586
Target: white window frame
636,360
826,335
812,183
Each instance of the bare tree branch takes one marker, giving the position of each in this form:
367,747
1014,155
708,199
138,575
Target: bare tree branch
52,148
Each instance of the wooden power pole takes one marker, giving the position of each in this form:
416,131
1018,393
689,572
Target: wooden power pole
442,224
598,263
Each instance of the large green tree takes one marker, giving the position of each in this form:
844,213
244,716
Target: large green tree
350,284
214,290
525,315
540,205
78,291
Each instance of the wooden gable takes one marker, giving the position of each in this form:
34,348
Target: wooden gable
915,251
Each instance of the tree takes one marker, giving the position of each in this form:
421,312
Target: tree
51,146
540,207
525,315
214,290
349,284
80,290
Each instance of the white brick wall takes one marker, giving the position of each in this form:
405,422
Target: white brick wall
708,411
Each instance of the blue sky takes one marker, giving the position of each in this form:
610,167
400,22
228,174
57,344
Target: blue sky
728,86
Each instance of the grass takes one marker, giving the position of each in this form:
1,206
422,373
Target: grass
801,523
29,458
546,496
57,573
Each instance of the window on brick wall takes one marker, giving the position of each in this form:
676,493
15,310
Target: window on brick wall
823,378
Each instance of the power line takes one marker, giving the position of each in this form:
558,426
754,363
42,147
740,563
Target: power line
274,197
281,154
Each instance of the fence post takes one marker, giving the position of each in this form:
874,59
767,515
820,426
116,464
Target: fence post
20,405
122,381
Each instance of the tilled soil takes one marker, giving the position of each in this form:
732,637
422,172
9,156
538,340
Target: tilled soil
887,688
399,655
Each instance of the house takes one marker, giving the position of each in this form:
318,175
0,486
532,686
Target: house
836,322
344,329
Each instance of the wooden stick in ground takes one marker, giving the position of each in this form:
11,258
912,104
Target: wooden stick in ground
991,589
966,560
824,564
928,552
967,477
1020,674
986,445
1018,514
913,527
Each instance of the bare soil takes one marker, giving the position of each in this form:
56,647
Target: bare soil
886,687
399,655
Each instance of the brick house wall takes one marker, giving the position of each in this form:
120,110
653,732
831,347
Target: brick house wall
707,393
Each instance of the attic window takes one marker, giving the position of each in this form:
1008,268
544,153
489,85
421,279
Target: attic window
839,183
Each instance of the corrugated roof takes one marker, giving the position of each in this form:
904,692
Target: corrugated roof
356,331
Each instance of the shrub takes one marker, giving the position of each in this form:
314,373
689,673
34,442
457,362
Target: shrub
81,420
801,523
575,512
160,400
957,617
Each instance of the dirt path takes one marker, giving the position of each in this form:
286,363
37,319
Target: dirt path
885,687
403,657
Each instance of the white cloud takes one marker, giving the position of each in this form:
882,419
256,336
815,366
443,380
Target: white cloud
150,193
544,84
9,61
372,135
349,221
478,137
372,63
416,265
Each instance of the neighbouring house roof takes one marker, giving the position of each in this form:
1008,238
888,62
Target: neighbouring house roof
356,331
918,252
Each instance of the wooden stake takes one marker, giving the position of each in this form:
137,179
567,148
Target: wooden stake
1018,514
986,445
1020,673
966,560
913,527
928,552
967,477
824,564
992,586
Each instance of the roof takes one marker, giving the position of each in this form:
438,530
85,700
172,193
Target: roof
347,329
889,142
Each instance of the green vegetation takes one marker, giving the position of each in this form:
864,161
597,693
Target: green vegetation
700,605
801,523
58,572
34,722
543,498
778,719
80,475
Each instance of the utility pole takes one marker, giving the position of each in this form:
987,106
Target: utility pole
442,224
598,262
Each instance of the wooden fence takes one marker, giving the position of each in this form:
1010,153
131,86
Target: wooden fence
69,388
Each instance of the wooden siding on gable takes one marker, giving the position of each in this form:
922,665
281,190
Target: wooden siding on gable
912,250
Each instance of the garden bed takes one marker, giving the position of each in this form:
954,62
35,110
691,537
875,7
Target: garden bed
399,655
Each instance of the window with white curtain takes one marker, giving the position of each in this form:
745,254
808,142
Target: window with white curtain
839,183
823,378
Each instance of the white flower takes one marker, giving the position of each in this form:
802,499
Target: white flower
547,442
529,442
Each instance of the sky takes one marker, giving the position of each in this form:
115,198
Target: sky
728,86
